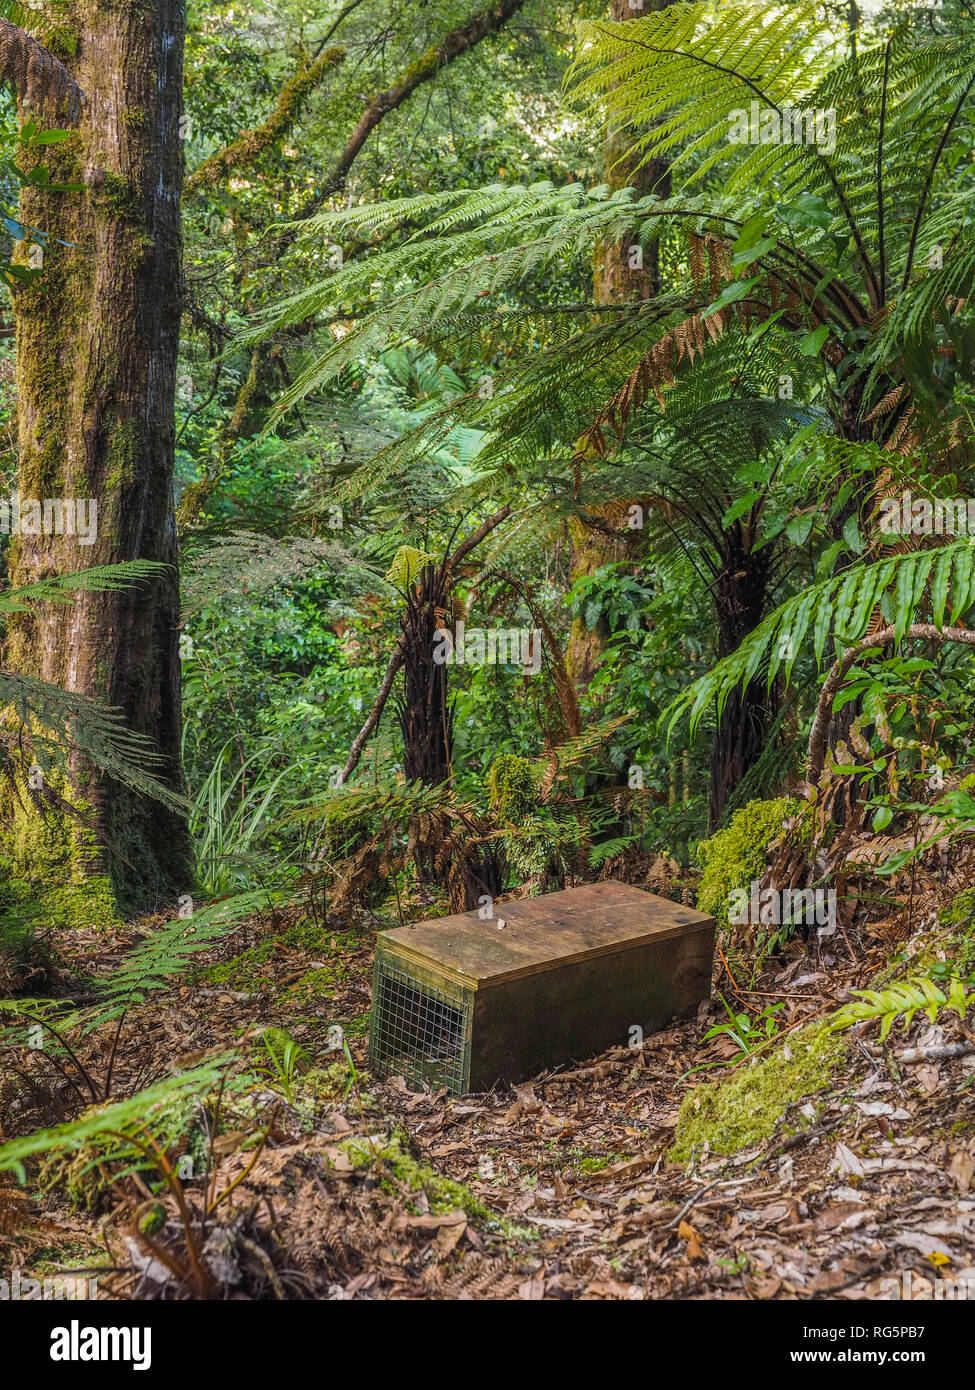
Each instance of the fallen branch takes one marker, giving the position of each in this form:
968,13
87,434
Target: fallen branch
941,1053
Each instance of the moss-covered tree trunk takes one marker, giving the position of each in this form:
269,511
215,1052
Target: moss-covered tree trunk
621,272
97,339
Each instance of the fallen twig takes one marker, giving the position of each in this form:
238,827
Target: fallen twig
942,1053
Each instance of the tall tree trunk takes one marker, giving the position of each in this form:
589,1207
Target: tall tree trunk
97,341
621,272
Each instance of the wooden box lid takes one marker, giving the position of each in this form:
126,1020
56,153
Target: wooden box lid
541,933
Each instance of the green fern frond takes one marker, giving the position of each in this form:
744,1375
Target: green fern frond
60,720
408,564
61,588
117,1130
166,953
902,1001
684,68
842,605
246,562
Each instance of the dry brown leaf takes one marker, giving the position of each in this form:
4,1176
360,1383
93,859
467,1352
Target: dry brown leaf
448,1236
228,1143
961,1168
687,1232
532,1290
432,1221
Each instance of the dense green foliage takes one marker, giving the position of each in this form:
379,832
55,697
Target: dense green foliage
542,397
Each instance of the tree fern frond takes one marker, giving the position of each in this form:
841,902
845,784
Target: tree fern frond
59,720
61,588
698,61
246,562
408,564
38,77
842,604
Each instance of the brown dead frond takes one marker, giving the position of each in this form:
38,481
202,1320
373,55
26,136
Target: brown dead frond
40,80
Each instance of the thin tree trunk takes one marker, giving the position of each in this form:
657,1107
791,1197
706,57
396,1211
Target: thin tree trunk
425,716
740,600
97,339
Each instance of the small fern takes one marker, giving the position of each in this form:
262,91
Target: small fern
903,1001
600,854
168,952
118,1131
150,967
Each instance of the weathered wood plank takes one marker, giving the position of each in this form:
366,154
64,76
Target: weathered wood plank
571,925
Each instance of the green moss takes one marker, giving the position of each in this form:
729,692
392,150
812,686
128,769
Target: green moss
322,1085
115,194
53,849
358,1027
960,912
88,904
73,1254
734,857
596,1165
72,906
246,972
79,1176
745,1108
152,1220
242,972
512,787
123,457
959,918
442,1194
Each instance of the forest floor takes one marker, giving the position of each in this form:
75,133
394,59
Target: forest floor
560,1188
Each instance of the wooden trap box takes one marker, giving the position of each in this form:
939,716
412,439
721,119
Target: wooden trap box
464,1003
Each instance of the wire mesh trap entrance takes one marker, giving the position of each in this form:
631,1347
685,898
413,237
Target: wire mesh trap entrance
418,1032
464,1002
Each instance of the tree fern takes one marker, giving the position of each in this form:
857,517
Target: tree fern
36,75
799,240
61,588
842,605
